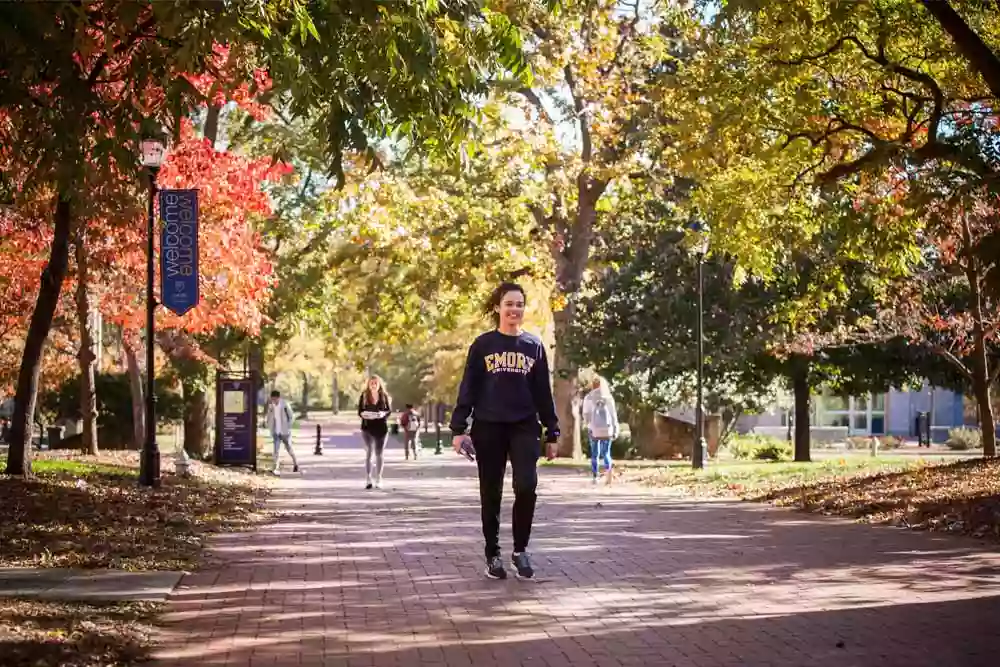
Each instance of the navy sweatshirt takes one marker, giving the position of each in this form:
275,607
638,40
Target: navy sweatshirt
506,380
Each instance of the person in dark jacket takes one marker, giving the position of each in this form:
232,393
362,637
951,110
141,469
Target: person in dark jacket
374,408
506,391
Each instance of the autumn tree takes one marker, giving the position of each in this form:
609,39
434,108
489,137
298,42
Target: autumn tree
865,101
638,318
83,83
80,86
590,119
797,96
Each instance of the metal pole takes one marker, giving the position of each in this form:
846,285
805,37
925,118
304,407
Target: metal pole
698,452
319,441
437,428
149,464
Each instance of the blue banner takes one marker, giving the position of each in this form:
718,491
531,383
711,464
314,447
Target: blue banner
179,250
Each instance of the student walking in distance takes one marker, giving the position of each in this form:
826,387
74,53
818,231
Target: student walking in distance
506,390
374,408
601,418
410,422
279,422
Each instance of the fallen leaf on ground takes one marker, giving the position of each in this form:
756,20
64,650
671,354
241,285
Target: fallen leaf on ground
35,633
83,511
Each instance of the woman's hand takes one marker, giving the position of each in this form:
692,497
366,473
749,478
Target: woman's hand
551,449
457,441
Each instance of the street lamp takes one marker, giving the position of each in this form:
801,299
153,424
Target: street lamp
149,463
699,452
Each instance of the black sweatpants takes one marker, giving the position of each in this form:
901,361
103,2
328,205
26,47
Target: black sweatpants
495,442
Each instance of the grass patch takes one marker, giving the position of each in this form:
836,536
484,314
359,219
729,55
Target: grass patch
740,478
81,511
35,633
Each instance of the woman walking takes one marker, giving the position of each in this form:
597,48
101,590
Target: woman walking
601,417
374,408
506,391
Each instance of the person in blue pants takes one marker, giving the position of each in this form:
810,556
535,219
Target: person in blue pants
601,417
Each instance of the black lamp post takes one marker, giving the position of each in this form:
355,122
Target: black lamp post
699,452
149,462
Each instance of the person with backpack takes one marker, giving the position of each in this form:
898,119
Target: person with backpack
410,422
601,418
279,422
506,390
374,408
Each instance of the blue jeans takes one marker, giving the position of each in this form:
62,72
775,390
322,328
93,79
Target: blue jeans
600,450
280,438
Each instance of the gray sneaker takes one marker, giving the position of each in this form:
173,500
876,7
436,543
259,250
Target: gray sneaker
522,564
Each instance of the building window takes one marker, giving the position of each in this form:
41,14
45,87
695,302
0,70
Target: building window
860,415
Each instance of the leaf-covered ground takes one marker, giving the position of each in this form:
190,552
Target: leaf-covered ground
90,512
37,633
956,497
962,497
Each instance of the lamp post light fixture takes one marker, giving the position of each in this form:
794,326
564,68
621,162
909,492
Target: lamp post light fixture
153,151
699,450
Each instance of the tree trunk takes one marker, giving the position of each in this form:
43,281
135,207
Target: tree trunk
564,388
86,356
19,453
571,252
336,395
195,417
980,362
800,390
305,395
138,391
987,424
968,42
212,124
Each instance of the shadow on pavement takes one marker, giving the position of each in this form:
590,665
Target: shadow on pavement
393,577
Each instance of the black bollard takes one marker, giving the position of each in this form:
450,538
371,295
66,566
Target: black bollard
319,441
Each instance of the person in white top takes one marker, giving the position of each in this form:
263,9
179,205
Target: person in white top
279,423
601,417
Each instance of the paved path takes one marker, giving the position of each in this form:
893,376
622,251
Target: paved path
349,577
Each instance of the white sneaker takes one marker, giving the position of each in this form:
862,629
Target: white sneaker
276,472
595,480
378,483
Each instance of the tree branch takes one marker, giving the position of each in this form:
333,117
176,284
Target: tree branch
536,101
581,114
539,214
626,30
955,361
802,60
969,43
880,58
102,60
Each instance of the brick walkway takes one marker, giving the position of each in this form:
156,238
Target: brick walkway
393,577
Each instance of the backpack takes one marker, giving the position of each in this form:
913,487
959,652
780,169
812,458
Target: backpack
600,420
412,421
